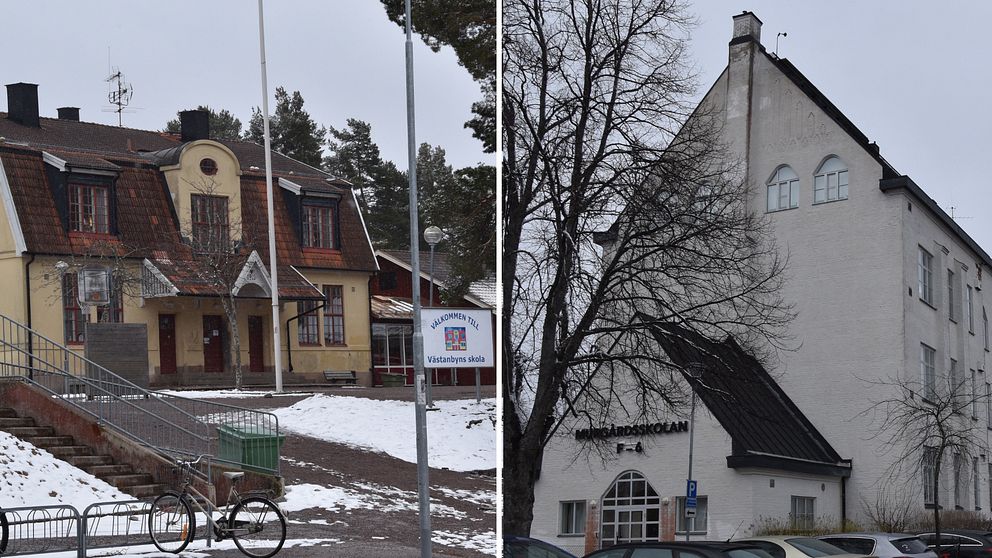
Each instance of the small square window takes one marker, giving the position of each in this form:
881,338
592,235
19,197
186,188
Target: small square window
572,518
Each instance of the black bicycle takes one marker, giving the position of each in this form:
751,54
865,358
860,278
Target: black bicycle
255,523
4,532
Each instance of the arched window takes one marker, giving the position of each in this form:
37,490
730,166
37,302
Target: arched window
830,181
631,511
783,189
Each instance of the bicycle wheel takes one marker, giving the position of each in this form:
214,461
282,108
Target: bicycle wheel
257,527
171,523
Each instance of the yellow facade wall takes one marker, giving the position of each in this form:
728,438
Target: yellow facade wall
186,179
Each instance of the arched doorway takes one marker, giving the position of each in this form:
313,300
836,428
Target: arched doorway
631,511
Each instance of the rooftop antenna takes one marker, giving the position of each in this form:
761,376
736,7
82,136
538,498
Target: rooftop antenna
956,217
121,96
776,41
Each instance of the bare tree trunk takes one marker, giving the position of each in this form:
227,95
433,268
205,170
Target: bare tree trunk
231,309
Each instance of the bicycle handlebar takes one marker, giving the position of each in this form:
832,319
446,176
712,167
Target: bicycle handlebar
188,463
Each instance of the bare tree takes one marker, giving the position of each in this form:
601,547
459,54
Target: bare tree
219,249
621,209
121,259
923,421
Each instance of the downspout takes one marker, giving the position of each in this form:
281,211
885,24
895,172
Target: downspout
843,495
27,293
289,346
371,356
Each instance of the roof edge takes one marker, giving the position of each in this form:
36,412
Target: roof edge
782,463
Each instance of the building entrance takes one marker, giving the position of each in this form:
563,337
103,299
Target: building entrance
631,511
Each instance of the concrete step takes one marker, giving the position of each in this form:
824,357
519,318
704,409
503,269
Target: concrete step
69,451
108,470
133,479
145,490
88,460
16,421
28,431
50,441
7,412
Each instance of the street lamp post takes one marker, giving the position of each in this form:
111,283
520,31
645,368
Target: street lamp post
432,235
695,372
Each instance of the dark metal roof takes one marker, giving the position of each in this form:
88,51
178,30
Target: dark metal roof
767,429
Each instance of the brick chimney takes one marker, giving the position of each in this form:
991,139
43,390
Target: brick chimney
22,104
194,125
69,113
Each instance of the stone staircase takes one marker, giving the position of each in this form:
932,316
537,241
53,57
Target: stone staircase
123,476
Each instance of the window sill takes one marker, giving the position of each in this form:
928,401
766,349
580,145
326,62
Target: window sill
317,250
824,202
776,211
337,345
691,533
952,320
570,535
932,307
309,344
932,506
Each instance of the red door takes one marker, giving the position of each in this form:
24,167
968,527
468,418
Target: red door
255,337
167,343
213,344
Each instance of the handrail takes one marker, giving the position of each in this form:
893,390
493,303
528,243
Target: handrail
168,424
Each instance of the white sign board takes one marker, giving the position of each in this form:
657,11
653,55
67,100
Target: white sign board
457,338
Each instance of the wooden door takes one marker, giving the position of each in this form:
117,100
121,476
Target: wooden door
255,344
167,343
213,343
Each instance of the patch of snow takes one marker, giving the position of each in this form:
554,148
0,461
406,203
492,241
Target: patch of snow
224,393
481,542
461,435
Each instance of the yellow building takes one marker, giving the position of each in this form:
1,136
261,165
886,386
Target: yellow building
180,223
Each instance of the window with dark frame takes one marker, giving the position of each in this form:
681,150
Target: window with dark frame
211,231
572,518
308,332
89,209
978,486
803,514
925,276
334,315
957,464
113,312
72,314
950,295
319,226
928,357
929,465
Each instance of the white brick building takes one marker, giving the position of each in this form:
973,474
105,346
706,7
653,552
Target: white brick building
855,231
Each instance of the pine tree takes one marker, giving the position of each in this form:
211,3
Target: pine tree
292,131
354,157
223,124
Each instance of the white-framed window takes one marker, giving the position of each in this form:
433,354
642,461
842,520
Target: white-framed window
695,524
950,295
830,181
955,384
803,512
988,412
958,463
928,376
971,310
929,465
925,276
974,475
783,189
572,517
631,511
974,394
985,328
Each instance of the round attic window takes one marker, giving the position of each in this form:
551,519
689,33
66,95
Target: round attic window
208,166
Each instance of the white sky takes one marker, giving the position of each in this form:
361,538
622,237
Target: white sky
912,75
345,57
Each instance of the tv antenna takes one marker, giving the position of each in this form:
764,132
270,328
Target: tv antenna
121,96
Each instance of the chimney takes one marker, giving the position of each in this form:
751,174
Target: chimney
69,113
22,104
746,25
194,125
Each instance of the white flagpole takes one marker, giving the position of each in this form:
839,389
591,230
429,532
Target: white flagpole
273,270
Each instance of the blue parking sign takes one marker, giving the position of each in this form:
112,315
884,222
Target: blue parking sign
690,498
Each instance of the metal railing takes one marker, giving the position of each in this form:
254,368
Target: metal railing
169,424
41,529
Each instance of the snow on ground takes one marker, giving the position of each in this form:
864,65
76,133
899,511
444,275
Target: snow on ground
30,476
223,393
482,542
461,435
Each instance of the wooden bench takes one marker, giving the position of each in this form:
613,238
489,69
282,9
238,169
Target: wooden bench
335,377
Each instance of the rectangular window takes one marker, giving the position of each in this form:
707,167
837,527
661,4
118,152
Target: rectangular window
974,395
951,303
211,231
978,488
925,276
695,524
307,328
318,226
802,515
333,315
928,375
113,312
988,410
971,311
985,327
783,195
88,208
957,480
72,315
955,385
929,466
572,518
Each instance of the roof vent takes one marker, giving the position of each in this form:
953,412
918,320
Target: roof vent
22,104
194,125
69,113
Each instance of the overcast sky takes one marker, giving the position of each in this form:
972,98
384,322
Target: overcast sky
914,76
345,57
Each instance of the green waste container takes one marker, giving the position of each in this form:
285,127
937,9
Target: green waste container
254,446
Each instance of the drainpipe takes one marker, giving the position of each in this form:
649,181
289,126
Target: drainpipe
27,293
843,496
371,356
289,346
